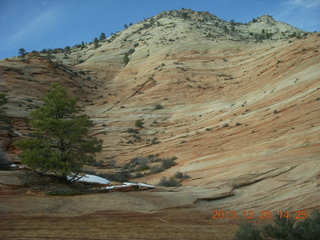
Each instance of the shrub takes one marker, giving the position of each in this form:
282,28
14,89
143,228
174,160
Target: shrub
126,59
155,140
181,175
131,50
226,125
248,232
143,167
140,162
136,136
282,228
171,182
158,106
139,123
132,130
156,169
167,163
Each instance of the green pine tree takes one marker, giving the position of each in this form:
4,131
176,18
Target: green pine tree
102,36
96,43
61,143
22,52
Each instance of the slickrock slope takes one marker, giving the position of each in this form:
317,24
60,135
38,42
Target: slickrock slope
234,114
240,107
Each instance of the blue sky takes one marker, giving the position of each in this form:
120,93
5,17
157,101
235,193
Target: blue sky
39,24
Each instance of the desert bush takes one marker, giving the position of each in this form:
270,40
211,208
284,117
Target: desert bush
131,50
282,228
155,140
138,161
156,169
181,175
158,106
171,182
132,130
168,163
143,167
126,59
136,136
248,232
139,123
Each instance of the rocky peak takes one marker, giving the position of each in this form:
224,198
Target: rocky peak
266,18
188,14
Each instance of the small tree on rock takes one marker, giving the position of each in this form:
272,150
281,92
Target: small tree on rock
102,36
82,45
22,52
61,143
96,43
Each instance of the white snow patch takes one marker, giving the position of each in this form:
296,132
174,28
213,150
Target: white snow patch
17,133
128,184
87,178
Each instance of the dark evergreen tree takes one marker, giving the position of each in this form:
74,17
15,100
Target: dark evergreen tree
102,36
22,52
96,43
61,143
67,49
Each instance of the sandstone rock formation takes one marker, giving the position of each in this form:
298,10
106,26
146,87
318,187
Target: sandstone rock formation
240,104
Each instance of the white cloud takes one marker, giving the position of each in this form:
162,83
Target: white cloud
303,14
304,3
38,25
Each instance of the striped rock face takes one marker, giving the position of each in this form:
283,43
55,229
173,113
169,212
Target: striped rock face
241,114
